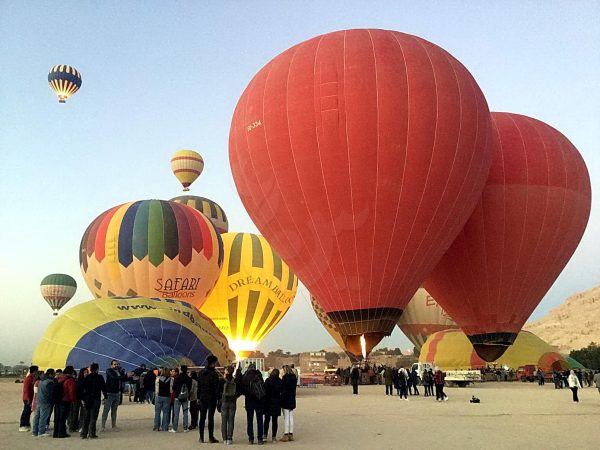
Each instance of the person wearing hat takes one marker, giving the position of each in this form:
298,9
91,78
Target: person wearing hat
208,393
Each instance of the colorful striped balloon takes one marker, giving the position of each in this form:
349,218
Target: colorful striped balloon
64,81
57,289
207,207
152,248
134,331
187,165
255,290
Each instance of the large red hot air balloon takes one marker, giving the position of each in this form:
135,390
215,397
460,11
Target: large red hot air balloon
359,155
532,214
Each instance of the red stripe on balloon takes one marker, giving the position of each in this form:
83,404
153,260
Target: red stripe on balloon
187,157
184,233
207,237
432,350
187,170
100,241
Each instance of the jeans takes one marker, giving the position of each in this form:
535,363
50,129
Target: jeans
40,419
207,407
26,414
403,391
288,421
150,396
227,420
90,417
161,405
439,392
184,404
259,422
355,387
74,416
266,425
61,413
389,389
111,404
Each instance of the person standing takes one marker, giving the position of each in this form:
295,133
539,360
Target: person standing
44,405
540,377
163,386
149,381
254,393
25,421
440,380
74,423
597,380
403,383
182,386
208,393
388,378
288,403
272,411
414,380
63,407
231,390
354,377
94,387
115,377
574,385
194,402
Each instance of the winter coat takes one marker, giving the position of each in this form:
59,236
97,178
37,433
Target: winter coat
574,381
273,387
355,375
439,377
149,380
45,390
114,380
250,401
28,388
388,376
288,393
69,388
93,387
179,381
402,378
208,385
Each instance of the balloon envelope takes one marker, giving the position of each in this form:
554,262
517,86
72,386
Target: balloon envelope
133,330
255,290
64,81
57,289
187,165
359,155
210,209
529,221
452,350
152,248
423,317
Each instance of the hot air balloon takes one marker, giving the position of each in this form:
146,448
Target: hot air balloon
64,81
253,293
207,207
423,317
133,330
187,165
57,289
152,248
530,218
359,155
451,350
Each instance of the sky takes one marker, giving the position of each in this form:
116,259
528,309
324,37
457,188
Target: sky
159,76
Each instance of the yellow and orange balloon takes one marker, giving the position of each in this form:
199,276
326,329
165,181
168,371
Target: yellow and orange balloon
152,248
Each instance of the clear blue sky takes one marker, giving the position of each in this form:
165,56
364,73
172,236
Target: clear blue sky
158,76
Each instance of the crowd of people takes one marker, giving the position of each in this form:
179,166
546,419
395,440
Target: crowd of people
74,400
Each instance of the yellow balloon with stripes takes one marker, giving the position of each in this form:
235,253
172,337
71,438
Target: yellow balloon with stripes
187,165
254,291
64,80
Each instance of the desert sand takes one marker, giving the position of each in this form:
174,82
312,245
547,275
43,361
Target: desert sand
510,416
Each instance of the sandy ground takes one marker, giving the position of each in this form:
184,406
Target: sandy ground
511,416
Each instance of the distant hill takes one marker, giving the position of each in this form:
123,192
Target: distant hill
572,325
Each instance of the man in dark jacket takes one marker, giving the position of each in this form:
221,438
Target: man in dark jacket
115,377
25,422
354,377
93,389
149,382
208,393
253,404
182,387
62,409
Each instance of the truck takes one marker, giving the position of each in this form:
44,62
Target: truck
453,377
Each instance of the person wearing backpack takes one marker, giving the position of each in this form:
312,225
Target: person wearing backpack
288,402
208,394
254,393
182,386
228,405
162,399
273,387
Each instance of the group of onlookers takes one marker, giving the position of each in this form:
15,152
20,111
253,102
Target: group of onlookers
406,382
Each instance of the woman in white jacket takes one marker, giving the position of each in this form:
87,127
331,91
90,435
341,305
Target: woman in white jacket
574,385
